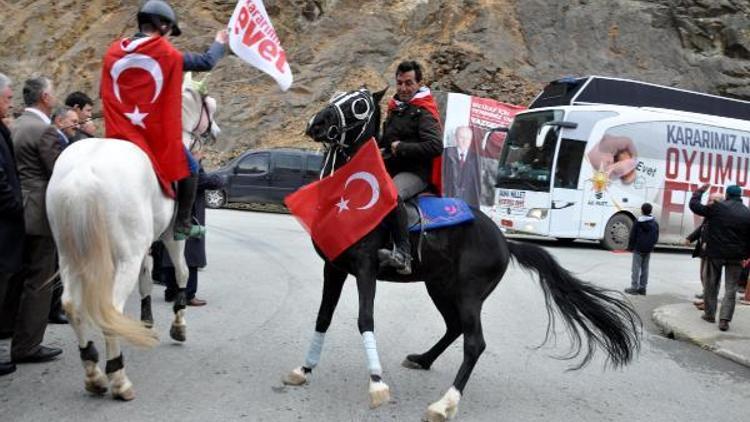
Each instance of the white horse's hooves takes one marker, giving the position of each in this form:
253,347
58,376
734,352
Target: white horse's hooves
296,377
434,416
97,386
380,393
124,395
178,332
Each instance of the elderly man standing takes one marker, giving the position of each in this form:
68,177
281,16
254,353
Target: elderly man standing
727,245
63,131
35,158
11,219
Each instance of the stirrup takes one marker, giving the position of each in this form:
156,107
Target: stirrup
195,231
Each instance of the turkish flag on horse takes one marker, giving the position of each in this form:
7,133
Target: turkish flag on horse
141,92
340,209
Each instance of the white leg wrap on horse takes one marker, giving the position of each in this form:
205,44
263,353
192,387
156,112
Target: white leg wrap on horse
316,348
447,406
371,350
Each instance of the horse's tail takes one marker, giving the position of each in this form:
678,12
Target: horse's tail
604,319
84,240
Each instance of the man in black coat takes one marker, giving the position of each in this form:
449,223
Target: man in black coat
412,136
727,245
195,248
11,222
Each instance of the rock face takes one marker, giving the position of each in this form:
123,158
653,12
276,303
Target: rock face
503,49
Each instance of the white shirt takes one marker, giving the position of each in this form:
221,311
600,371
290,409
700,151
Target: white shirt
39,113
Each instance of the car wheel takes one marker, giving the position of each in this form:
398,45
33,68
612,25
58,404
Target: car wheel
216,198
617,232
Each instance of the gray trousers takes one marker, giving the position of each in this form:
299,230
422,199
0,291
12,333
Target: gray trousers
408,184
639,270
732,271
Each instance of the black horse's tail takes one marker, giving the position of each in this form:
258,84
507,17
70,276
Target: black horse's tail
603,317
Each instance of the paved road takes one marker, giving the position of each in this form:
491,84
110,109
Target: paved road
263,285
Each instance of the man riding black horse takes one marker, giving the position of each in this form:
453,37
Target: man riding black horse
413,135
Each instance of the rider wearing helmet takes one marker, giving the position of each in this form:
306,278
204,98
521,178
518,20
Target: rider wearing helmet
156,18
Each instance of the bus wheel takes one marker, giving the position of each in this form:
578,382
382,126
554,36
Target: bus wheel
617,232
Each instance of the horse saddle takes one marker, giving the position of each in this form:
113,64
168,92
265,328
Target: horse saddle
428,212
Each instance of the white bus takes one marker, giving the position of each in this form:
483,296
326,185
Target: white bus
589,152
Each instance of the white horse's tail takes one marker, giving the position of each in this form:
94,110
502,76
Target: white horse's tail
84,240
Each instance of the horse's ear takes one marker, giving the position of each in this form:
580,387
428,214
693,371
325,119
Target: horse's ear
187,81
379,95
202,86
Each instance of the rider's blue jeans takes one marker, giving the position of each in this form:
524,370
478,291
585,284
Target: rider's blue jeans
192,162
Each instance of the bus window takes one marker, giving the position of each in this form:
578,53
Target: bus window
522,164
569,163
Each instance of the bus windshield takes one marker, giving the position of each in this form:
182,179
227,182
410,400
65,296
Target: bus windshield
522,165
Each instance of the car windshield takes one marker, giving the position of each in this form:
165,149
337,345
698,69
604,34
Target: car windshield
522,164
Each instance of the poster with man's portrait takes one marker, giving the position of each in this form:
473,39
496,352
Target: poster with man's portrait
470,152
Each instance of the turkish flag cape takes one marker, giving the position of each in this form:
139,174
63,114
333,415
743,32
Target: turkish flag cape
340,209
141,92
425,100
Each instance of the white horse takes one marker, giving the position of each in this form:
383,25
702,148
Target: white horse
105,208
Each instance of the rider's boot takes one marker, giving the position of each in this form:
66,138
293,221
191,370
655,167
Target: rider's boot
183,225
400,256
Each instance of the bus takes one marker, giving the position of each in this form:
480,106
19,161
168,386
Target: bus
580,162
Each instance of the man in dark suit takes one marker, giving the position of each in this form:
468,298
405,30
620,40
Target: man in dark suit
11,220
83,105
461,168
35,159
195,249
61,131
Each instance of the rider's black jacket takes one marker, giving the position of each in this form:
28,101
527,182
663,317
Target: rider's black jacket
421,140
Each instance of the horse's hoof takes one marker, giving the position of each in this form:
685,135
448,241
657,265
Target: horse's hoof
97,386
125,395
433,415
379,394
148,323
411,363
178,332
296,377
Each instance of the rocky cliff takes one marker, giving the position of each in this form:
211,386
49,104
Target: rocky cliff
504,49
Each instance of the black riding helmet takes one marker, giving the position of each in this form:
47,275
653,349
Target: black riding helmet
157,13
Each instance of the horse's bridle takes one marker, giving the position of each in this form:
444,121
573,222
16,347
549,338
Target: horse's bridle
337,132
198,137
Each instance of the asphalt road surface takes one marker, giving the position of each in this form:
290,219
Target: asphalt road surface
263,285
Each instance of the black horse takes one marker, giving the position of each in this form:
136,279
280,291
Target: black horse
461,266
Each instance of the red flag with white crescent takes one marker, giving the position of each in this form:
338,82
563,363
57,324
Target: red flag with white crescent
141,90
340,209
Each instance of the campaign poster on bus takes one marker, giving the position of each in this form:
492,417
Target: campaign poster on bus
663,163
471,151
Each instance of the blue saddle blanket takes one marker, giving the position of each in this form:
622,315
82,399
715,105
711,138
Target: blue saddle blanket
440,212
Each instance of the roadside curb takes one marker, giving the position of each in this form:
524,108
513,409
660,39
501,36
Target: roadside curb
682,321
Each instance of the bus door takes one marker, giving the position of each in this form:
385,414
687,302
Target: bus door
567,198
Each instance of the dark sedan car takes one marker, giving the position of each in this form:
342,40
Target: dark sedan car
265,176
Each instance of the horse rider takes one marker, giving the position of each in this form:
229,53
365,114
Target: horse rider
412,133
156,18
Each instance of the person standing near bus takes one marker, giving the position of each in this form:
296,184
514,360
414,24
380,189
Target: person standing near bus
726,247
643,238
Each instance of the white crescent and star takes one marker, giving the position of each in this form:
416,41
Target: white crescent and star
137,61
343,204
